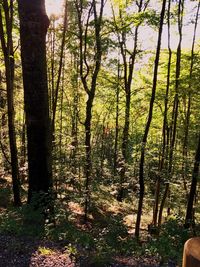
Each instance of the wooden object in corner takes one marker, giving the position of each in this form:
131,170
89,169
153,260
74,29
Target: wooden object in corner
191,253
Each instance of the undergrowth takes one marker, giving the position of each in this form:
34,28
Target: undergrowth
104,237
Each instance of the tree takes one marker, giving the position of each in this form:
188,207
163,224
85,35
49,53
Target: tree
129,59
189,102
165,126
61,59
149,119
93,71
6,10
33,28
190,211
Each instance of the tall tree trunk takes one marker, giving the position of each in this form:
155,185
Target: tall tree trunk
165,125
33,28
175,105
128,77
7,47
74,130
147,127
90,87
187,119
189,212
116,121
55,96
51,68
176,97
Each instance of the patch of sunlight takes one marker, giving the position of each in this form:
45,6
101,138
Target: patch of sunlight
45,251
75,208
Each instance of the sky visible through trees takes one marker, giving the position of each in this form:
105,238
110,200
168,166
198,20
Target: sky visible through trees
148,37
99,125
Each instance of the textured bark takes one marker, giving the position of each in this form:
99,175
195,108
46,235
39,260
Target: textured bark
147,127
33,28
7,48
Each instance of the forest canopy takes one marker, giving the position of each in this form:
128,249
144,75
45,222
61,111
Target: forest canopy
99,107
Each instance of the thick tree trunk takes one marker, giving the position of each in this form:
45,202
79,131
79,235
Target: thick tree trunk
33,28
147,127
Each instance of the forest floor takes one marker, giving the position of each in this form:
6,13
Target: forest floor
105,241
24,252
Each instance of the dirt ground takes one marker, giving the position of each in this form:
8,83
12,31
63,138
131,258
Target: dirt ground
24,252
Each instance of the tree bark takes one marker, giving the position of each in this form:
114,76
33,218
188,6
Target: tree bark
90,87
33,28
188,113
55,96
189,212
129,65
164,128
147,127
176,97
7,47
116,121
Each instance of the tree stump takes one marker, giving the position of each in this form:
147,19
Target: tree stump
191,253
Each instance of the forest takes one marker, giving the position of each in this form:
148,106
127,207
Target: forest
99,132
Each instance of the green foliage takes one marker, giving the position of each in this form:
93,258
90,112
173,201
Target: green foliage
169,244
5,196
23,221
45,251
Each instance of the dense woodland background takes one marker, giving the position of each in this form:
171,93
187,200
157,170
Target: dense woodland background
110,156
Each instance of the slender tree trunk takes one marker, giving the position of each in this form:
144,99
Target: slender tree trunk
51,69
74,131
7,47
164,128
176,97
116,121
55,96
33,28
162,204
23,142
128,76
173,126
90,88
189,212
88,165
187,119
147,127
